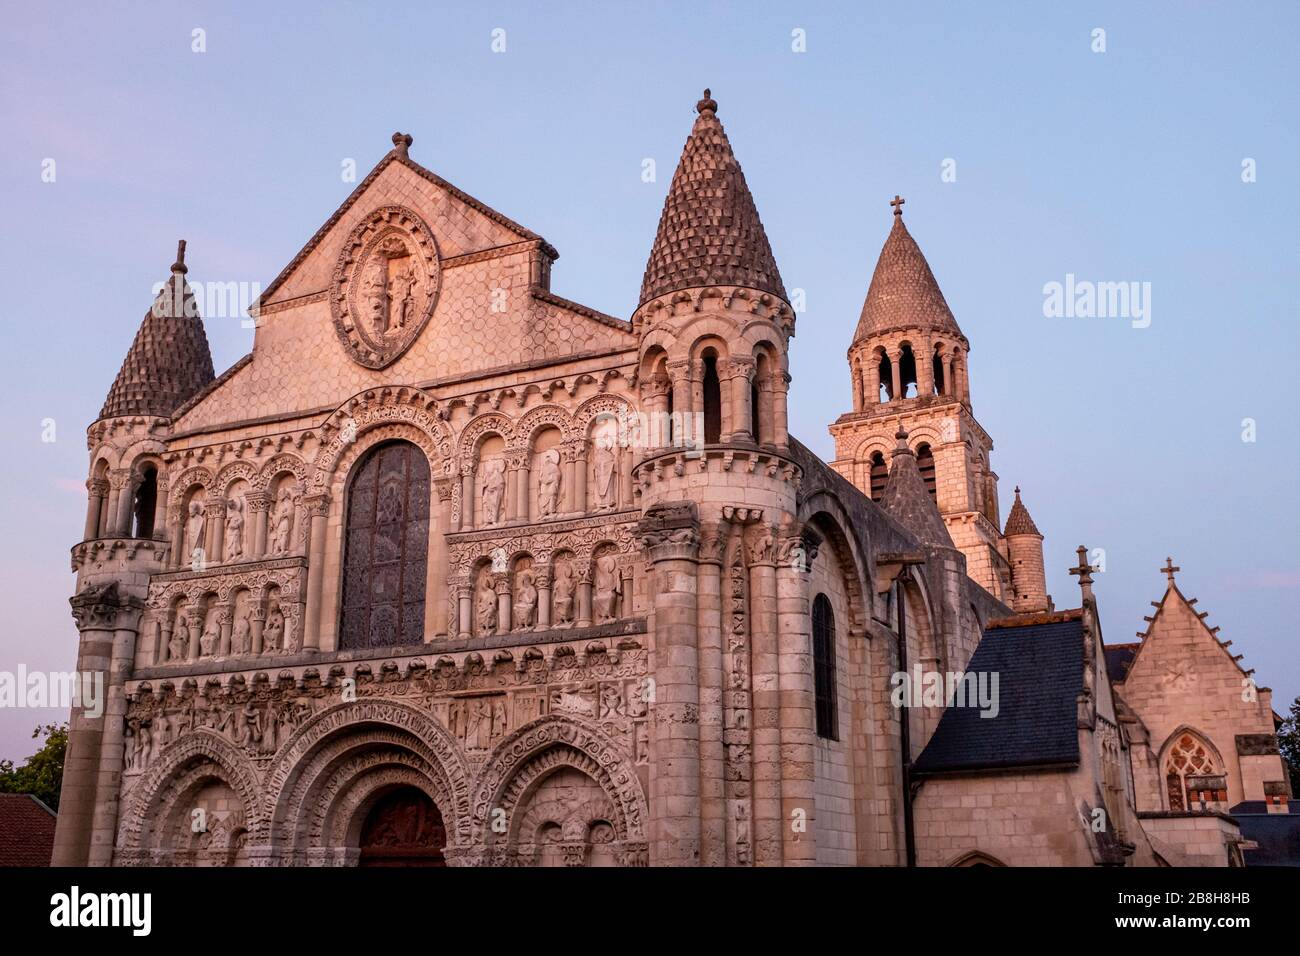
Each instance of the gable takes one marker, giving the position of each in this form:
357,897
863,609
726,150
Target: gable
1179,649
477,283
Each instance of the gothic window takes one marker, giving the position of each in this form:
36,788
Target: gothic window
146,499
823,635
386,548
925,465
879,476
1193,778
712,401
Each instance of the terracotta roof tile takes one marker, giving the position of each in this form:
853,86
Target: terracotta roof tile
26,830
709,232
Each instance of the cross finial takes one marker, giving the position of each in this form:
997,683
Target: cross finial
1169,570
179,264
897,203
1084,572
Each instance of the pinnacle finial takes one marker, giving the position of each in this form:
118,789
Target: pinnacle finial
1084,572
402,143
897,203
707,104
1169,570
179,264
1017,491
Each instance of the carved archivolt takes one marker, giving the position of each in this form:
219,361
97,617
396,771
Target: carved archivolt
235,471
283,462
217,758
337,730
187,479
537,749
541,417
377,415
492,423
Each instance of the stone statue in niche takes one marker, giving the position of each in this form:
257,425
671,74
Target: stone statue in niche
548,483
562,594
208,639
377,297
273,632
283,522
525,599
485,607
478,724
605,468
404,295
194,527
241,637
608,585
180,640
493,493
234,544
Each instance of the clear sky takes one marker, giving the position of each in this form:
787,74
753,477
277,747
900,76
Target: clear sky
1124,166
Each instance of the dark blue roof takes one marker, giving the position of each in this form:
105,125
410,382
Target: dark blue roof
1119,657
1277,834
1040,668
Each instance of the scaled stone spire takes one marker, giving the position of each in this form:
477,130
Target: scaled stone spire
709,231
907,500
1019,521
903,292
169,361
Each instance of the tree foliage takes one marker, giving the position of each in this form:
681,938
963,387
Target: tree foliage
1288,739
41,774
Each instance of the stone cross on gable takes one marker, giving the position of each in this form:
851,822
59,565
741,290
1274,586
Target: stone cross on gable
897,203
1169,570
1084,572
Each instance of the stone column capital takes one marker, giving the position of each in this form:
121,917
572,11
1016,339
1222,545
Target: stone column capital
105,608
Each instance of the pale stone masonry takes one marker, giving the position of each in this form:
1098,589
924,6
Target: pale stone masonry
451,570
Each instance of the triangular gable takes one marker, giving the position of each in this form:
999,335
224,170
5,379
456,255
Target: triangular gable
462,224
1166,610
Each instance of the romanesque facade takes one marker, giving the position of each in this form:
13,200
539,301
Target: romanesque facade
451,570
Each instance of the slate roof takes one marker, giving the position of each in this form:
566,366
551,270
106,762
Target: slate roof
26,830
908,501
1018,521
1278,834
903,292
709,231
1119,658
169,362
1040,668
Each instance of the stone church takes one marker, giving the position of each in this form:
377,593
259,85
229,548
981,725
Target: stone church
451,570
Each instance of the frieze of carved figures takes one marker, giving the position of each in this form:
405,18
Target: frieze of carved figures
609,689
581,536
385,286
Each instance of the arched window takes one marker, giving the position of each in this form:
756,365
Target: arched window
925,465
386,548
886,370
879,476
712,400
1193,778
146,500
940,386
823,635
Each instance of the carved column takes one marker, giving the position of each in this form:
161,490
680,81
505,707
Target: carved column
160,508
216,530
654,398
781,409
317,507
583,617
464,597
713,805
768,822
256,622
580,475
259,504
670,536
194,628
225,619
895,373
516,503
121,491
924,354
164,638
85,830
626,458
947,372
679,373
438,557
96,496
543,581
502,587
466,496
873,380
742,420
798,700
857,384
569,456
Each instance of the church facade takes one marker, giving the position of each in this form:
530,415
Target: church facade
451,570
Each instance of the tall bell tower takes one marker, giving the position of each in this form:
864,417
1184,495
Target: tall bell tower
909,371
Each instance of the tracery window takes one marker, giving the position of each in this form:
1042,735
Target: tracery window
823,634
1193,778
386,548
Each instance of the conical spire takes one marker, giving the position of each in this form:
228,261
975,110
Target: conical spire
169,361
1019,522
903,292
907,500
709,232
